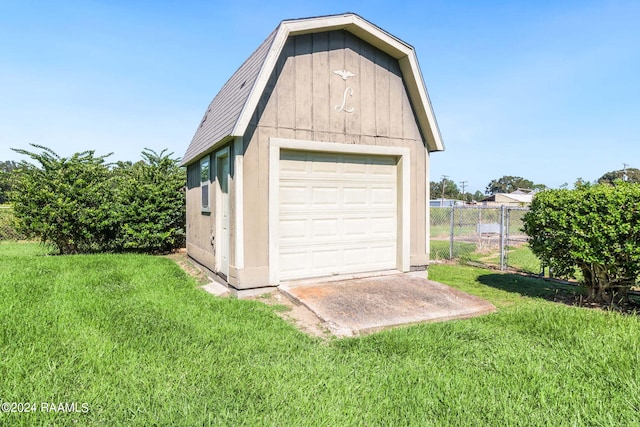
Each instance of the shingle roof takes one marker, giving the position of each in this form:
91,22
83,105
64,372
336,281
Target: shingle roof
229,113
223,112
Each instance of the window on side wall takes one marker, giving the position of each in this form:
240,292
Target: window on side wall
205,178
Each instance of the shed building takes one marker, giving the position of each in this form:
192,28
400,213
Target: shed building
313,159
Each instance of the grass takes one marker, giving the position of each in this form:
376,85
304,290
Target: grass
440,249
522,258
519,257
132,336
22,249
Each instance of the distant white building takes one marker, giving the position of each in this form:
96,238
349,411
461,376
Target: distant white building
446,203
519,198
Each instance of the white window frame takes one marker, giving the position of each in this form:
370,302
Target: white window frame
205,184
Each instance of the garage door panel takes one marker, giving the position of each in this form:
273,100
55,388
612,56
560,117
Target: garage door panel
324,164
292,195
356,226
383,196
290,262
384,225
293,229
382,253
355,166
355,257
322,228
323,259
324,195
354,196
383,166
293,161
338,214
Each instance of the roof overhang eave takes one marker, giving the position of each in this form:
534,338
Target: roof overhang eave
192,158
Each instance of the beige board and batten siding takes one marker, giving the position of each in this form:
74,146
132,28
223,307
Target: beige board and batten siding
300,102
200,226
204,237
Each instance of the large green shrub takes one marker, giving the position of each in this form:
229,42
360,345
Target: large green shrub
65,202
82,204
592,229
150,204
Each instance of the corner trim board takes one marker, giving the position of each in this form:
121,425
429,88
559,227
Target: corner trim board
239,202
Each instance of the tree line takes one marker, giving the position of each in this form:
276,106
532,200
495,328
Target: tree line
505,184
508,184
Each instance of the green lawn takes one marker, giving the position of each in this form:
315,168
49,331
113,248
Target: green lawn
134,339
519,257
461,250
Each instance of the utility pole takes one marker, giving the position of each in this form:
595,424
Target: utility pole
444,179
463,184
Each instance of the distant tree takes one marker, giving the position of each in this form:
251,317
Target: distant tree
628,175
508,184
451,190
471,197
581,183
6,171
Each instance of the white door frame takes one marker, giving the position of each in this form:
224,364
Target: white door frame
403,193
222,202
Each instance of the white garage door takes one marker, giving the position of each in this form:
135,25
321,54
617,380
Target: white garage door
338,214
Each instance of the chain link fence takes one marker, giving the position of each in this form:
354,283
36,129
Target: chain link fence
489,236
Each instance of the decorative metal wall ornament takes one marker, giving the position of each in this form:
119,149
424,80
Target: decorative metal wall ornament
344,74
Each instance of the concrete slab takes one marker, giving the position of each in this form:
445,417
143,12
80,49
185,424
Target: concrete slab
364,305
215,288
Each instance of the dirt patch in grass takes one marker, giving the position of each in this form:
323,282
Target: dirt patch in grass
296,314
180,257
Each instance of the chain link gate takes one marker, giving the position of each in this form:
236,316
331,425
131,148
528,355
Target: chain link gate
517,253
481,235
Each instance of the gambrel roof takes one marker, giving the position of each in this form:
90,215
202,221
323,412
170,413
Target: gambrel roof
229,113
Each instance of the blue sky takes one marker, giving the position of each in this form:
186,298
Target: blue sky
546,90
